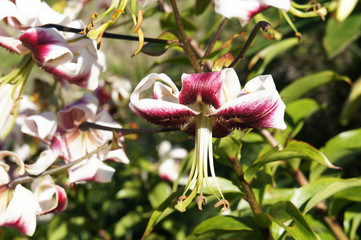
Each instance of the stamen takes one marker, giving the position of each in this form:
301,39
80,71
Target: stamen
223,202
201,200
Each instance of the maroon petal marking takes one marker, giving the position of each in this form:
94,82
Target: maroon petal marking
204,87
261,109
164,113
47,46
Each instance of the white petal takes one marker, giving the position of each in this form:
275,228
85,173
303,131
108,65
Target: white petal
44,161
41,126
92,170
21,211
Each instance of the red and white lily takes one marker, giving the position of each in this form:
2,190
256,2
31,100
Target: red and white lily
66,56
71,143
209,104
20,206
244,10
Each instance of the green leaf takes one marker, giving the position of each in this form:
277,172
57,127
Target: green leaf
345,144
126,222
225,185
319,190
353,103
159,193
226,148
201,5
286,215
162,211
340,35
267,54
294,149
57,229
352,194
297,112
305,84
330,190
219,225
352,220
157,49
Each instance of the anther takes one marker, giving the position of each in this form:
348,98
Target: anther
201,200
223,202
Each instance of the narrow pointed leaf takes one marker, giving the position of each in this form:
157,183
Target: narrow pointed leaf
305,84
353,103
331,189
267,54
219,225
294,149
164,209
340,35
344,145
157,49
292,221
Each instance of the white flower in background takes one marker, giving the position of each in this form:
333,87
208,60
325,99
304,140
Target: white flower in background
171,160
244,10
70,143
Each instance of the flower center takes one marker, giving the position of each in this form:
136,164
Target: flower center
199,171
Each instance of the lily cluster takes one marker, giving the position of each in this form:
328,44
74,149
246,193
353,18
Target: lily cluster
19,206
209,105
67,56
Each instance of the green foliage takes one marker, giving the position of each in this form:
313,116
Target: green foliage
287,173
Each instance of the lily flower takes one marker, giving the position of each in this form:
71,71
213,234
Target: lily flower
69,142
19,206
66,56
171,159
244,10
209,105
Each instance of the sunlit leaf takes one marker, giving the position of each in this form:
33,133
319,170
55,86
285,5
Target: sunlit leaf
353,103
219,225
344,145
157,49
226,148
297,112
352,220
162,211
128,221
331,189
159,193
269,53
294,149
339,35
286,215
305,84
225,185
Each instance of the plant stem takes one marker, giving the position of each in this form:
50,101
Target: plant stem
259,25
215,38
108,35
184,40
85,126
335,228
250,197
25,179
